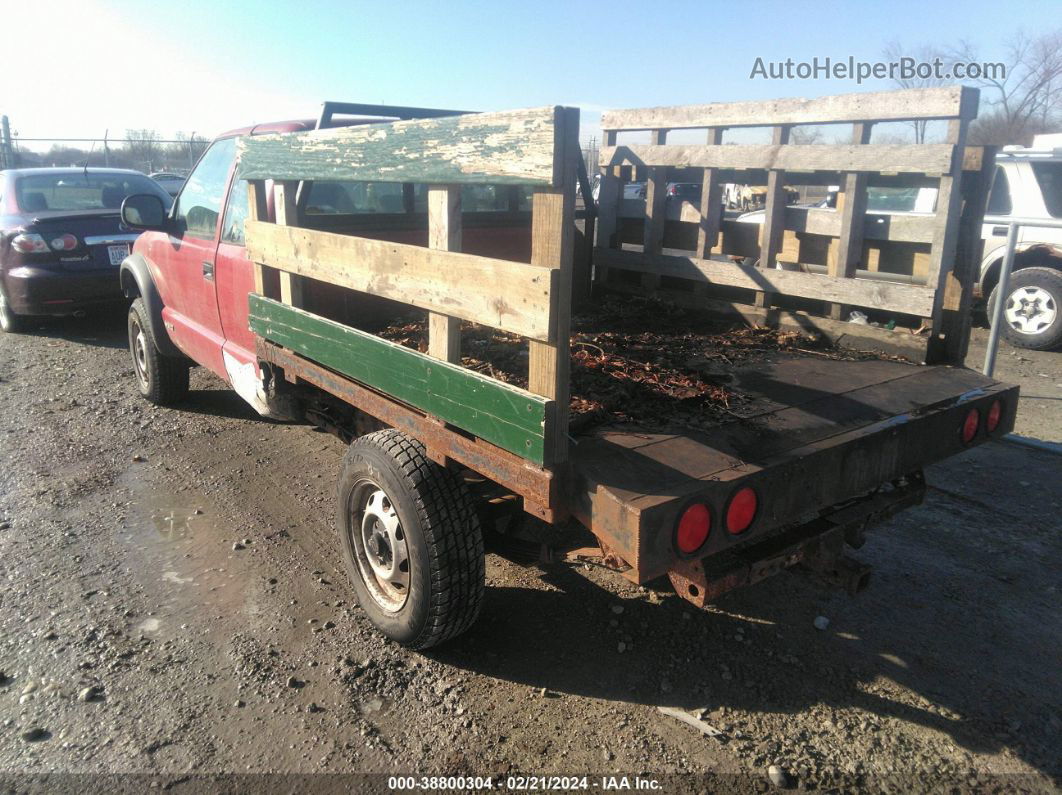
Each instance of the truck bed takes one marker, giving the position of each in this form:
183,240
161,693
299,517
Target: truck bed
813,433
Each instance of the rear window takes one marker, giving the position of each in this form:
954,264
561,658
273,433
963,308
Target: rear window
363,198
1049,175
73,191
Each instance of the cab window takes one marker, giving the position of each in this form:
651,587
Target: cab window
999,199
199,204
235,214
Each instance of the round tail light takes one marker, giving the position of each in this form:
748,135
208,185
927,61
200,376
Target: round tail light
995,414
693,528
970,425
741,510
65,242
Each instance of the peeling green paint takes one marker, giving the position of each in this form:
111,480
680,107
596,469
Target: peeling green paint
511,148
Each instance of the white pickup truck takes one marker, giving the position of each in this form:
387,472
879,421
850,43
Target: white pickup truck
1027,184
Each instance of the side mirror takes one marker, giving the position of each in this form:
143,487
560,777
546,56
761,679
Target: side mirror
144,211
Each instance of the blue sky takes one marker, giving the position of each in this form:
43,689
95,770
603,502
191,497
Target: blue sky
211,65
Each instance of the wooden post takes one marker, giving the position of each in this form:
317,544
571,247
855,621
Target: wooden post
773,216
257,211
444,233
945,240
845,259
610,200
552,244
284,195
655,212
711,198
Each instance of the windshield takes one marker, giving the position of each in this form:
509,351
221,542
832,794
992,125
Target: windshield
72,191
1049,175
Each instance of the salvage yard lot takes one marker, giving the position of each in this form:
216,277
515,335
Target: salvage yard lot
185,564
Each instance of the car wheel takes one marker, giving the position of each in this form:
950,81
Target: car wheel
163,380
1032,310
9,321
411,540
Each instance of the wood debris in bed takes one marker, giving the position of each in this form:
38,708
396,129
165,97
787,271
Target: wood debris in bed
637,361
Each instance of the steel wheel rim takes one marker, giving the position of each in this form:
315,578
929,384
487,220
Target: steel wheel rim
1030,310
139,351
380,546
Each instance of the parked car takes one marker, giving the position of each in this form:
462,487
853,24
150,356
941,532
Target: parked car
62,240
684,191
171,183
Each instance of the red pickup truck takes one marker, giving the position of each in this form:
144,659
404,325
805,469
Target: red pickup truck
280,251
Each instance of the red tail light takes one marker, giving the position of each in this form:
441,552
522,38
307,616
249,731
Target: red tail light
970,425
693,528
995,414
741,510
65,242
29,243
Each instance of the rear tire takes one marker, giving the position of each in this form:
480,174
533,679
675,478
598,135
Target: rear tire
1032,314
163,380
411,540
9,321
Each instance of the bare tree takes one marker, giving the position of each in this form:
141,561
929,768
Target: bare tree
185,150
1027,99
143,147
808,134
893,52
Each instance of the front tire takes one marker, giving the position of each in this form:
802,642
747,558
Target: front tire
411,540
1032,312
162,380
9,321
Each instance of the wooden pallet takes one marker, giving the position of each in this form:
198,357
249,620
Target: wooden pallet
692,254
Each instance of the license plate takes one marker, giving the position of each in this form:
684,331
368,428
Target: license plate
118,253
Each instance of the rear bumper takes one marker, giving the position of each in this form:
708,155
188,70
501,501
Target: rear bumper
40,291
794,489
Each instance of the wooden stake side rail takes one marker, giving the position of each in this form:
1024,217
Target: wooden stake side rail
511,296
538,148
846,243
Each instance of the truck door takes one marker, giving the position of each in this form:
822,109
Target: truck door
1000,205
235,280
191,312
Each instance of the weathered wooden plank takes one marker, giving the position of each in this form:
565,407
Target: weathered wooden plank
891,296
257,210
655,211
923,103
710,214
552,244
813,220
284,194
945,242
515,147
500,413
609,206
444,234
853,211
512,296
896,158
773,231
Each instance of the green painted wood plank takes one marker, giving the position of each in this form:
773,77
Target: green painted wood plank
499,413
515,147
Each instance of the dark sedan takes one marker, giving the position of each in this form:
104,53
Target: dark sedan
62,240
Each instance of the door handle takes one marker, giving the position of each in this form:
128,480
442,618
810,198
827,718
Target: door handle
208,271
999,231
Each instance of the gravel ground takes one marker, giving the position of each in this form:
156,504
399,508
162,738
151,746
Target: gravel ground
172,604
